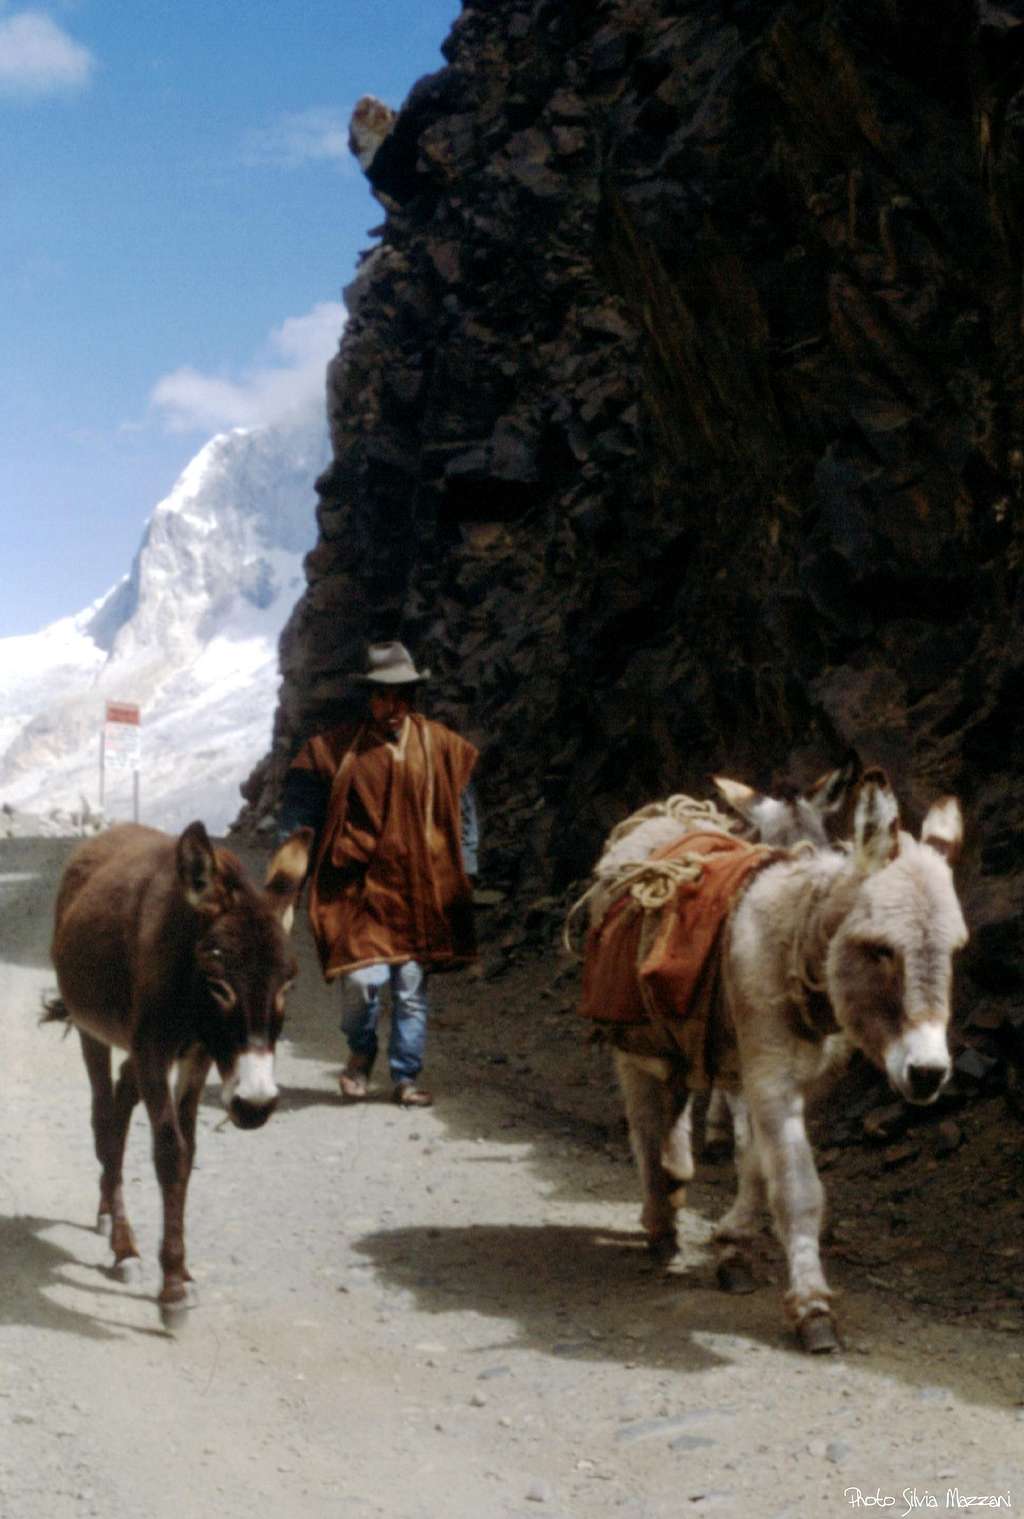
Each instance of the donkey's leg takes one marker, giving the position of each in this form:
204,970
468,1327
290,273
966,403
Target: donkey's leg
797,1201
739,1119
734,1233
122,1240
97,1064
677,1151
718,1126
111,1114
192,1073
652,1109
172,1160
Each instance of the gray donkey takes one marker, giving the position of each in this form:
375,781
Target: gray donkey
824,952
800,817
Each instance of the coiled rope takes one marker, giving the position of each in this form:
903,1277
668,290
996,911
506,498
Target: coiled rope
685,810
650,883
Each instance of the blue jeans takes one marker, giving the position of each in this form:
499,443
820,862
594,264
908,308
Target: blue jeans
361,1009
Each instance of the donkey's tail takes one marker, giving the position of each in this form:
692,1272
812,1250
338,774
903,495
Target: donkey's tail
55,1011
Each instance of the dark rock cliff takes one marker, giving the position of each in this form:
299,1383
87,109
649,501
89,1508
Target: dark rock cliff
678,422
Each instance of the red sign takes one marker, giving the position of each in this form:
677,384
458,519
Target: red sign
122,712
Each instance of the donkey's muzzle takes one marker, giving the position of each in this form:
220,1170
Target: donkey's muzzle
918,1064
250,1115
250,1091
924,1082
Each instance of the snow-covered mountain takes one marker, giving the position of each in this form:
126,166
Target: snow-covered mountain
189,636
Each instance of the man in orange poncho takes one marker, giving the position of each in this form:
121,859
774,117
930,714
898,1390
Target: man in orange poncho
390,895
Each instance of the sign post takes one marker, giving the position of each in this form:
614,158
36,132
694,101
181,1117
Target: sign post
119,748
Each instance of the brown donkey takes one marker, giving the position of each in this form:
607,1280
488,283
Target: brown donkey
165,950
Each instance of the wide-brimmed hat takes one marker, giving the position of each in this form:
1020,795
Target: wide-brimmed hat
390,664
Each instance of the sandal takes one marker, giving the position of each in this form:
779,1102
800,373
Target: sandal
353,1083
408,1095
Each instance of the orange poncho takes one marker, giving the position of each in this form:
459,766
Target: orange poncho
388,883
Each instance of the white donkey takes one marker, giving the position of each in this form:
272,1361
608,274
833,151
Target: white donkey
823,952
802,817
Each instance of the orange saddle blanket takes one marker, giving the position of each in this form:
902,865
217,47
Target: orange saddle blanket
666,972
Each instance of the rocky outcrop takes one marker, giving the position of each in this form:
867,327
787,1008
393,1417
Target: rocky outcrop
678,420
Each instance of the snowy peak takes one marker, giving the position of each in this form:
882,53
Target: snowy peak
190,636
211,546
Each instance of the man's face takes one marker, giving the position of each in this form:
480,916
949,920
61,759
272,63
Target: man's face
389,707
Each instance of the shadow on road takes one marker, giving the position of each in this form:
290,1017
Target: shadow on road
579,1294
35,1266
572,1292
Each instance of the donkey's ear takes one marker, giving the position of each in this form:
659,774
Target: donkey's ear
765,817
738,796
286,873
830,791
943,828
876,822
197,867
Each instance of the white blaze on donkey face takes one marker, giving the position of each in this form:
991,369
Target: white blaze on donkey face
249,1091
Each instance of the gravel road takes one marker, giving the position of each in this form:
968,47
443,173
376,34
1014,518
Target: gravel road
439,1314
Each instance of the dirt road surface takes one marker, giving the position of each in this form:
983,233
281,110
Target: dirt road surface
418,1315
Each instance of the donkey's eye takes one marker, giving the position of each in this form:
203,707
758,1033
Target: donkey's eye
881,954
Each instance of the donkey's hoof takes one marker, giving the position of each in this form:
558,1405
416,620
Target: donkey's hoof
735,1277
661,1248
817,1334
128,1270
174,1316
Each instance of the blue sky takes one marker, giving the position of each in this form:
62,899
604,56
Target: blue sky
178,214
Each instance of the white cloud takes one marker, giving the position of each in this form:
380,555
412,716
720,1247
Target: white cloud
38,58
298,138
289,384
